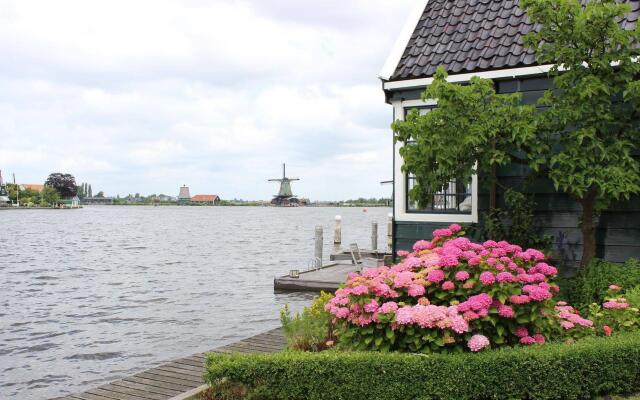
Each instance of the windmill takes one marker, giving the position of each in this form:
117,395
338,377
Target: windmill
285,196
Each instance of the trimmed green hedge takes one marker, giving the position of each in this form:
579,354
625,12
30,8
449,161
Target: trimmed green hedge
594,366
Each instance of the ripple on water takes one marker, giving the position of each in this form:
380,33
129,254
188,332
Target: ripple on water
96,356
121,289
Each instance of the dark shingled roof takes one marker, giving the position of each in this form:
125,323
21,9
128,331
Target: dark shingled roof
471,36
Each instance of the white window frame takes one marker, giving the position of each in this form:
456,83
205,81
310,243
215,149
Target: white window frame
400,181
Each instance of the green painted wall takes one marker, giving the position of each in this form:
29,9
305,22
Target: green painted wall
618,235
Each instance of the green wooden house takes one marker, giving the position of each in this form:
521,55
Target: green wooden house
484,38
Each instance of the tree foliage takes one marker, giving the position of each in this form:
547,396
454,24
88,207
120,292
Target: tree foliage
471,131
64,184
588,130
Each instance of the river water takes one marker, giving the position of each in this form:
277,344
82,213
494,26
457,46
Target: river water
91,295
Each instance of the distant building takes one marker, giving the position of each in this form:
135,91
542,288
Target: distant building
4,195
71,202
184,196
97,201
32,186
205,199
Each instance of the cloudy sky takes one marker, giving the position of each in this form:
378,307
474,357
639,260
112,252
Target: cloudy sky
143,96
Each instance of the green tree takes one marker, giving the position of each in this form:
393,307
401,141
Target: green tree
49,196
471,131
64,184
588,129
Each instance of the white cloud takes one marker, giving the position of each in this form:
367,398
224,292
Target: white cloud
143,96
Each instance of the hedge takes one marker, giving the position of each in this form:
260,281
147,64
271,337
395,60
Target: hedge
593,366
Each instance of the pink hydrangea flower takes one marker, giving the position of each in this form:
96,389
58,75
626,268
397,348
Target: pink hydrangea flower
403,253
614,305
470,316
527,340
519,299
567,325
448,260
503,277
442,233
477,343
435,276
403,279
455,228
505,311
371,306
539,339
614,287
462,276
404,315
341,312
522,331
416,290
537,293
388,307
487,278
459,324
360,290
448,285
422,245
474,261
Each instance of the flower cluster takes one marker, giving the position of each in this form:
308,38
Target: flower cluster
570,318
616,303
448,290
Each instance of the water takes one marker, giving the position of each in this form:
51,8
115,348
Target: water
91,295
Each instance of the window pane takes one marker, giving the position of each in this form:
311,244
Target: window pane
454,198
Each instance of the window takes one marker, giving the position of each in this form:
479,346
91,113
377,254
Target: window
456,201
455,197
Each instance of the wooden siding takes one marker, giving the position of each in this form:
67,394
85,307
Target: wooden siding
618,232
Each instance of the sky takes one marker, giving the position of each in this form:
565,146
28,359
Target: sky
143,96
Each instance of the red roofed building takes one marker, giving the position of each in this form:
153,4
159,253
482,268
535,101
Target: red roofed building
206,198
32,186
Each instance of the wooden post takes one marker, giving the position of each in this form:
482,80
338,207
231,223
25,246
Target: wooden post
319,243
374,236
337,233
390,232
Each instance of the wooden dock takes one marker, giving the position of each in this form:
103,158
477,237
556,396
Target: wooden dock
329,277
178,379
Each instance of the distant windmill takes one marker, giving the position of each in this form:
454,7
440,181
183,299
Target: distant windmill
285,196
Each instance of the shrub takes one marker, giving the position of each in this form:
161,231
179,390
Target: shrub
615,314
590,367
633,296
310,330
591,283
516,222
449,295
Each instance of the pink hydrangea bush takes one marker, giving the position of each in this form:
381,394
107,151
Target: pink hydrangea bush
449,294
615,314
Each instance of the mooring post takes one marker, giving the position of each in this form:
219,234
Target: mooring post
337,233
374,236
390,232
319,243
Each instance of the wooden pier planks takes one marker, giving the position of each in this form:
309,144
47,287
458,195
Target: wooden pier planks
172,379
